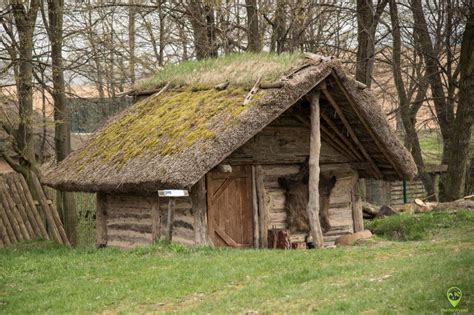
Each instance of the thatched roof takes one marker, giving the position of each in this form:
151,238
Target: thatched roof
174,137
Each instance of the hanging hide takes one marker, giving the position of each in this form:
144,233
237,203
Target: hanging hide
296,187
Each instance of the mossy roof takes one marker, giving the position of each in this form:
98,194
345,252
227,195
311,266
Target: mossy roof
172,138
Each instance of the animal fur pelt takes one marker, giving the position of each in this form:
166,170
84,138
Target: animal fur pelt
297,195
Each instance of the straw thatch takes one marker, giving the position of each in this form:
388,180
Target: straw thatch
172,138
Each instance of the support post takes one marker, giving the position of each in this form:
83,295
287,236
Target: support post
198,198
155,217
170,219
262,208
357,216
313,181
256,228
101,220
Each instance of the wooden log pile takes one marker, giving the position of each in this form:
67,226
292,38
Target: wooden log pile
22,217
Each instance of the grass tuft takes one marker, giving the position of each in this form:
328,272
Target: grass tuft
239,69
407,227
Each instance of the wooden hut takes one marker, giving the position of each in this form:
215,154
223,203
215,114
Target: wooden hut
250,137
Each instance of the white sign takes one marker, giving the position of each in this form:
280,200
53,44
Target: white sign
173,193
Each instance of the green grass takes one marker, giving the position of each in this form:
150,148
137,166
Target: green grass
238,69
375,277
407,227
431,144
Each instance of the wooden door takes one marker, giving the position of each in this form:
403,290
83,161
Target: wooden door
229,200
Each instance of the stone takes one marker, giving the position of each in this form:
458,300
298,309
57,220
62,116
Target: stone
350,239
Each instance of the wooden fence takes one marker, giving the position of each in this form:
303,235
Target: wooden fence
23,217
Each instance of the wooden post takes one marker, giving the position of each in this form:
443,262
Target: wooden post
170,219
313,181
357,216
199,202
101,220
155,217
256,234
262,208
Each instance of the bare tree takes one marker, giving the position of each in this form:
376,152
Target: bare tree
458,155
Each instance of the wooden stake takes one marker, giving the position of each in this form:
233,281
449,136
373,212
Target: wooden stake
40,221
57,230
199,201
7,222
101,220
254,90
20,230
313,182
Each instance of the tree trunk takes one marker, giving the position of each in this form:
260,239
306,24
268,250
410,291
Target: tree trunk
62,140
458,155
25,21
408,118
202,22
367,21
433,73
253,34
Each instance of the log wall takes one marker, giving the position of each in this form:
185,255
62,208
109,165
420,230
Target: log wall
130,220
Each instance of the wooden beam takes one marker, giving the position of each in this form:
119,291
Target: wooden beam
262,207
375,170
256,229
365,123
357,216
313,181
199,202
101,220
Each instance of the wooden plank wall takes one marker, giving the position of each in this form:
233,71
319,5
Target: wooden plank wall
385,193
129,220
415,190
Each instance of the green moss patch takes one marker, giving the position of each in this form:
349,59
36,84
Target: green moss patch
167,123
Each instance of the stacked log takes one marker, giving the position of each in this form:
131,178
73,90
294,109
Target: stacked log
22,217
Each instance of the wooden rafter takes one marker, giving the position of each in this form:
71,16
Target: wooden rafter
366,125
375,170
343,138
336,143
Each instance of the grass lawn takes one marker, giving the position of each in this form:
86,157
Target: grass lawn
379,276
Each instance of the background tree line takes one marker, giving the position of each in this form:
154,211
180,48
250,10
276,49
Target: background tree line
423,49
